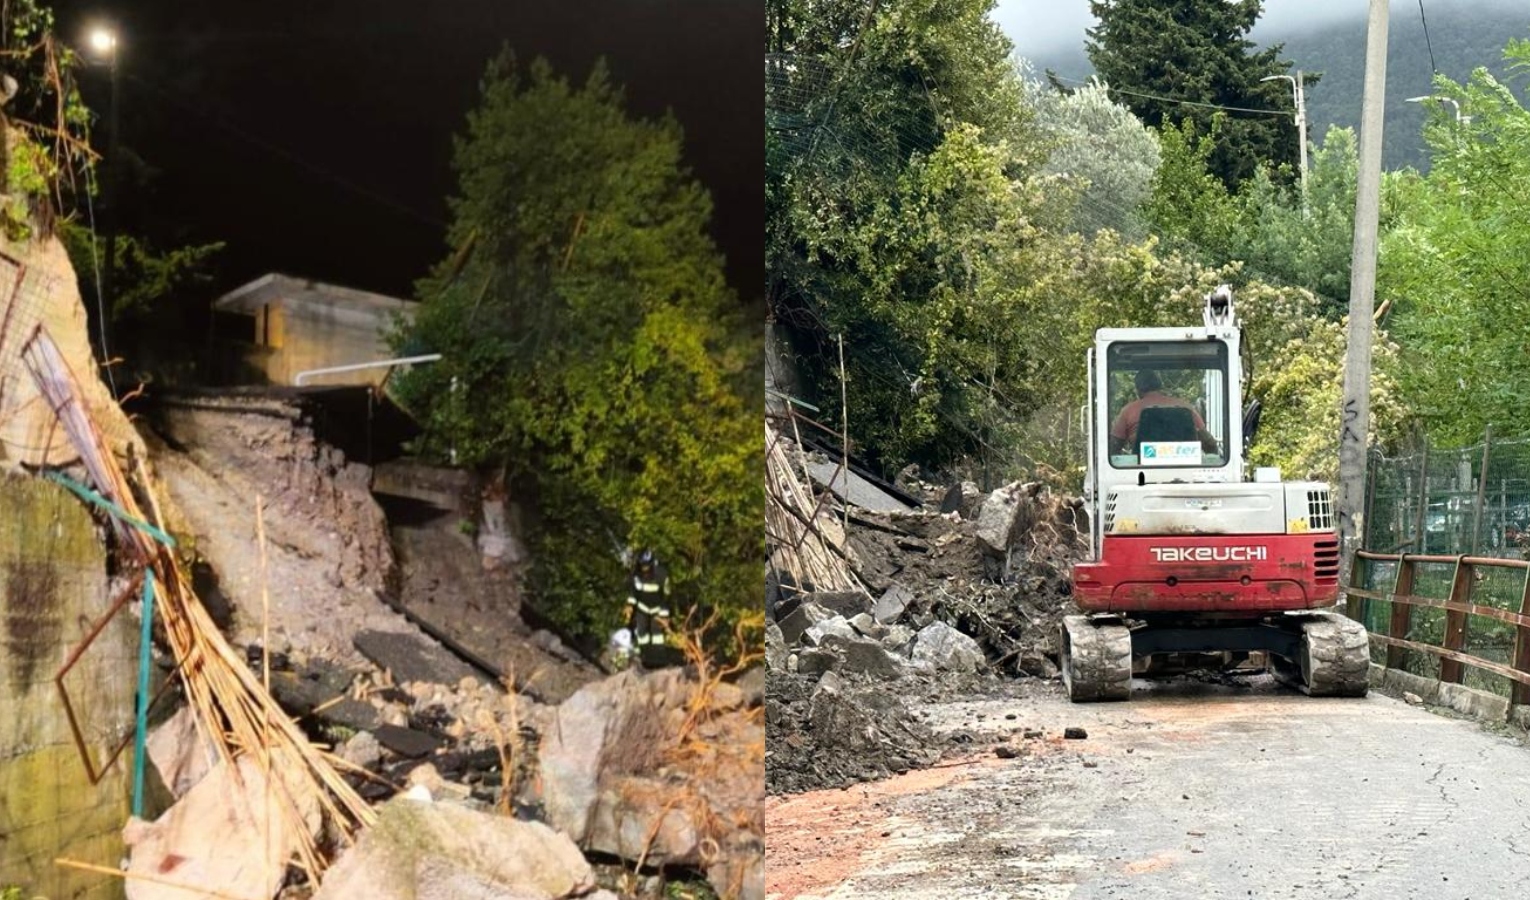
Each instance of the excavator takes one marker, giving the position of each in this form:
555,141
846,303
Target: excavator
1190,560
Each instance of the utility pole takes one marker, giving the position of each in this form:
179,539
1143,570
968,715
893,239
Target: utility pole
1356,415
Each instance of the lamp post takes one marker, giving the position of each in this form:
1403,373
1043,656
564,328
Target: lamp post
1299,97
103,43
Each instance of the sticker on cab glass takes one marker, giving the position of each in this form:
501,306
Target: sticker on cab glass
1171,453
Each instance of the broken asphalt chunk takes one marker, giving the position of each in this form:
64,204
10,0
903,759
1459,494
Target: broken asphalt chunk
406,741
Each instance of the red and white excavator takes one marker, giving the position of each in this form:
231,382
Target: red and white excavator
1189,557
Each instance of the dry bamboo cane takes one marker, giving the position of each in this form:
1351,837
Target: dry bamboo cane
232,706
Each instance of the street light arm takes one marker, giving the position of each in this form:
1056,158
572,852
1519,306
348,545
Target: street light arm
1454,105
1300,119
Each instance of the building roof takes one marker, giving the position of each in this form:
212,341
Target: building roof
280,290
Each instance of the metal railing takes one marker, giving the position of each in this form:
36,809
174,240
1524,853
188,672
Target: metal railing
1448,638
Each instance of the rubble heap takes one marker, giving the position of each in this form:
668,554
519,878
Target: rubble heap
309,697
970,586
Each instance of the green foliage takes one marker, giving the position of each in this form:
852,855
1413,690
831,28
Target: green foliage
1104,149
1265,224
1190,206
1198,51
1304,244
1298,375
30,174
689,889
48,139
900,190
589,348
151,279
1456,259
968,274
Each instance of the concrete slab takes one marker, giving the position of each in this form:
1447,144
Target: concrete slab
853,489
406,741
411,657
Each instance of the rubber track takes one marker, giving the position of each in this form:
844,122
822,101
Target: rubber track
1098,662
1335,658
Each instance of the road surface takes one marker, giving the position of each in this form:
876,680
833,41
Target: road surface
1191,790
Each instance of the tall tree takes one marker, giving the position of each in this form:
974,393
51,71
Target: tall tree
1178,60
589,346
1456,258
1280,236
1104,149
866,104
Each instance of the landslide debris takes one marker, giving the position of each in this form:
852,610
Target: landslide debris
408,715
327,554
825,732
968,587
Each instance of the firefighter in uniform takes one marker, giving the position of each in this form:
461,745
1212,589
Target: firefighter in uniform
648,610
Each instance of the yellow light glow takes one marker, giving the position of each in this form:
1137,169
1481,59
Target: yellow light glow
102,40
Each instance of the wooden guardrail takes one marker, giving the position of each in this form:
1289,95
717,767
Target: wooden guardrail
1457,606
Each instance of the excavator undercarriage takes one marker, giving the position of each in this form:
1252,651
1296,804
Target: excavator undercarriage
1321,653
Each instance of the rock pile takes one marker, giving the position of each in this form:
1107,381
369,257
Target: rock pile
652,768
665,772
975,590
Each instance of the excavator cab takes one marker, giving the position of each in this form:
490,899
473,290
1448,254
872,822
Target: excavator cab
1168,403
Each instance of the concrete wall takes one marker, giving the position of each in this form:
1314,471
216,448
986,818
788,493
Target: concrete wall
1458,697
52,587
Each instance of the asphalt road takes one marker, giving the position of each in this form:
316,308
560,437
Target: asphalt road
1189,791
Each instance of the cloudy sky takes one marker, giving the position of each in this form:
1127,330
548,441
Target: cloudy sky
1041,26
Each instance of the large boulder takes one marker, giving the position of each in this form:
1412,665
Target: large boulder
775,648
180,752
840,603
440,851
838,626
628,768
204,842
799,620
939,646
816,661
1002,515
892,603
862,657
740,877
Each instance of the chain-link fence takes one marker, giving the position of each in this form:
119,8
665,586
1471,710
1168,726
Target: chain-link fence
1472,501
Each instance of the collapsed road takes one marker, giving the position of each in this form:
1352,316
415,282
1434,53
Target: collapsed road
921,744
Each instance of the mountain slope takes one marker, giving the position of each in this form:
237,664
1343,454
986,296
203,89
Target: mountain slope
1461,40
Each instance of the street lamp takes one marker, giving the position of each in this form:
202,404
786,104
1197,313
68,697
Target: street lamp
102,40
1299,97
1459,119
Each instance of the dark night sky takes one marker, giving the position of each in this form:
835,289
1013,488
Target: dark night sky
315,138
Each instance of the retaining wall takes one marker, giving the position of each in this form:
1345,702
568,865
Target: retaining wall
53,587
